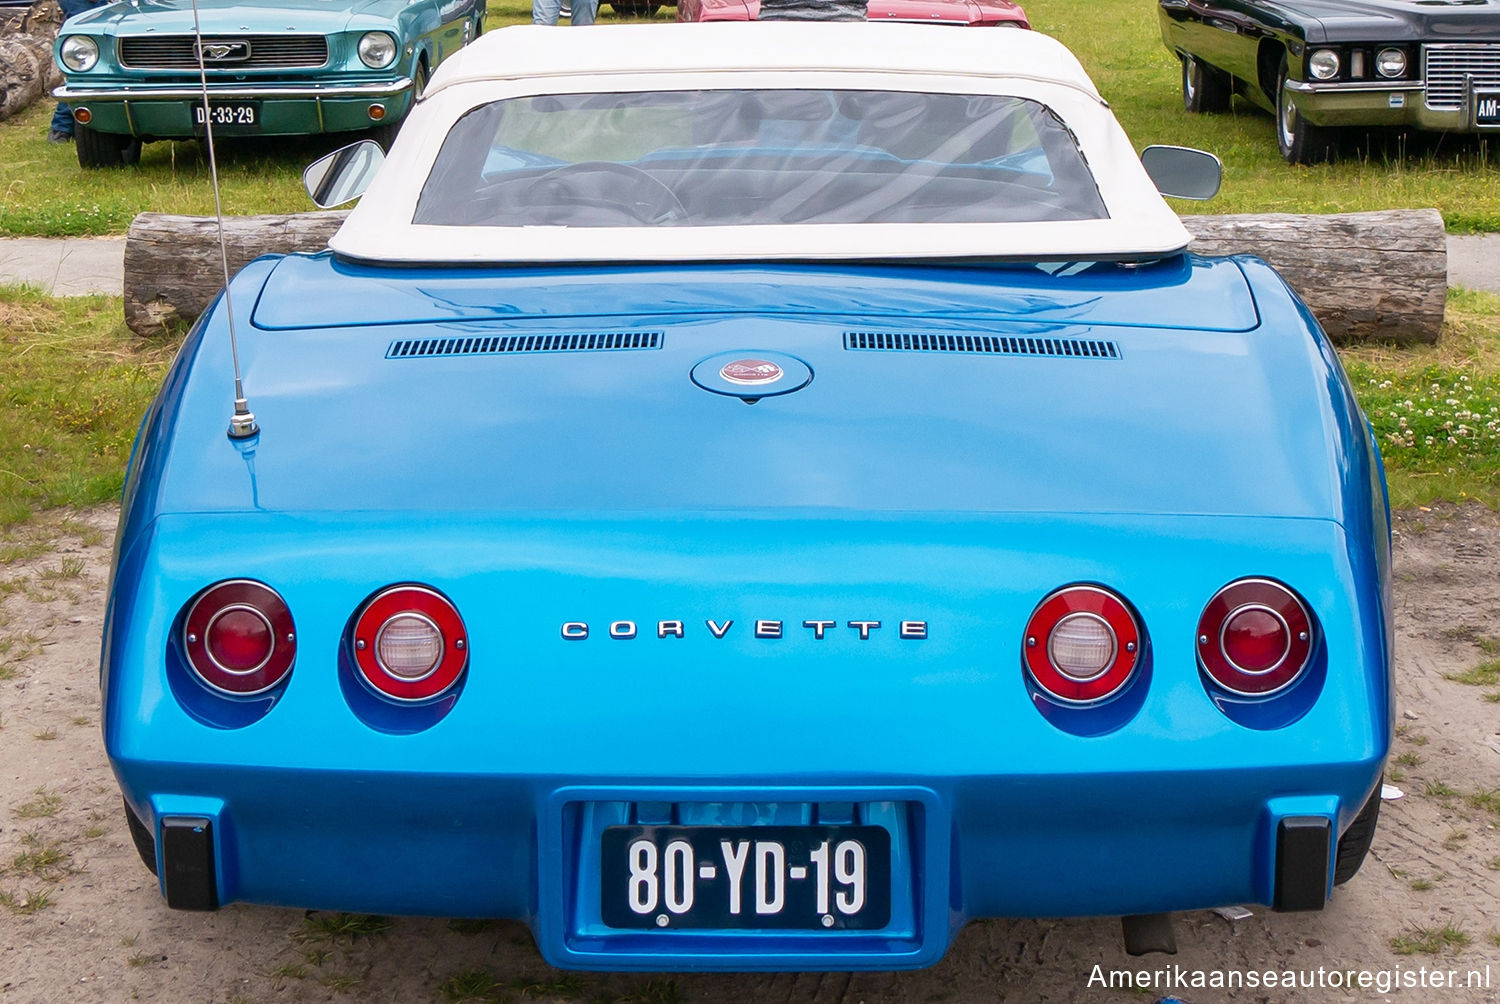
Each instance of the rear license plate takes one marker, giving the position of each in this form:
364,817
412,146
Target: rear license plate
1487,108
812,877
228,116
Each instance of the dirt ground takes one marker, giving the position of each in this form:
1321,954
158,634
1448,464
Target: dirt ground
81,919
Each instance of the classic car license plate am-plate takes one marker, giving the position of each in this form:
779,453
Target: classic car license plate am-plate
825,878
227,116
1487,108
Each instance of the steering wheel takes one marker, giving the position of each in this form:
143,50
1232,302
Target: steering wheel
570,185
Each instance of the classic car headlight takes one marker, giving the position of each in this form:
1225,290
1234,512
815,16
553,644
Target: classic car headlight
377,50
79,53
1324,64
1391,62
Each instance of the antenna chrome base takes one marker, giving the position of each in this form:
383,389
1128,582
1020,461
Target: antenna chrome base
242,422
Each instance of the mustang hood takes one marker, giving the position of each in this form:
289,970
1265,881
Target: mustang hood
217,16
982,390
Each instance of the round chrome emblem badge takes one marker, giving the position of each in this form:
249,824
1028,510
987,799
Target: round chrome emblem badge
751,372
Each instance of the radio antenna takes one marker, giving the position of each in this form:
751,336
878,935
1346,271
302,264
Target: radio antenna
242,422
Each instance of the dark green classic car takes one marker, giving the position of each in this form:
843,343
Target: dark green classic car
273,67
1321,66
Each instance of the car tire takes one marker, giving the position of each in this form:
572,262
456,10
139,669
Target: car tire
145,840
1205,90
1355,843
104,149
1300,142
636,8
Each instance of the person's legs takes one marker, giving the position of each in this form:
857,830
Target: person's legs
584,11
61,129
545,11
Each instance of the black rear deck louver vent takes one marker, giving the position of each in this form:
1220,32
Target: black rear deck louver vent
491,345
989,345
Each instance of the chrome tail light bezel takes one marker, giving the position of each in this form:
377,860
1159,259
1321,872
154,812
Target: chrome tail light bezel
206,610
1253,595
1123,666
426,603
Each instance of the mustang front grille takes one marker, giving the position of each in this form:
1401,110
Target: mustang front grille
225,52
991,345
1447,66
489,345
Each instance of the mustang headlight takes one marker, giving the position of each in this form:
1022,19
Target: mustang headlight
1324,64
79,53
1391,63
377,50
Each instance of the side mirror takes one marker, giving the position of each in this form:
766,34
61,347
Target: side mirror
344,174
1183,173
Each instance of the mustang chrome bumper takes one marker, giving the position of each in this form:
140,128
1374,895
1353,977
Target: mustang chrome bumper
188,93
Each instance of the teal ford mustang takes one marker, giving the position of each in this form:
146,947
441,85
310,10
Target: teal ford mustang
273,67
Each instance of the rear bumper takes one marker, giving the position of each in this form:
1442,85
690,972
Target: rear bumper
962,849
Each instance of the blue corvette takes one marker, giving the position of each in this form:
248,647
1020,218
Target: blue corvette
754,497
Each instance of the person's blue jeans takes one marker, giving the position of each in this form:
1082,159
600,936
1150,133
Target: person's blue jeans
546,11
62,119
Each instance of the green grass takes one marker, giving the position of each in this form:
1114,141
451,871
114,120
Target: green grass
1429,940
1486,674
73,386
1436,409
1485,801
318,928
45,804
43,192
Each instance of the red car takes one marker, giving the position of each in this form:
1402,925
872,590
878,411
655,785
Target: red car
978,13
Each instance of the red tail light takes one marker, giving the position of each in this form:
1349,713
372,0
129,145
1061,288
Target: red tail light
239,637
1255,637
1082,645
410,643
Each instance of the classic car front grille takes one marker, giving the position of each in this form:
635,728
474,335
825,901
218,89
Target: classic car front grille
491,345
988,345
176,52
1447,66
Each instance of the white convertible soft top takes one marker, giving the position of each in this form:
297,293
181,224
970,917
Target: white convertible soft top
533,60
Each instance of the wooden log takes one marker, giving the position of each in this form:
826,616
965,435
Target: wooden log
1376,275
1379,276
27,72
172,265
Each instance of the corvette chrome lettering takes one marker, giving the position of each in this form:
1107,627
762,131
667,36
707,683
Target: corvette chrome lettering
819,627
624,630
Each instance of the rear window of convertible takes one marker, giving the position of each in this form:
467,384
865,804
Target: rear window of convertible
747,157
